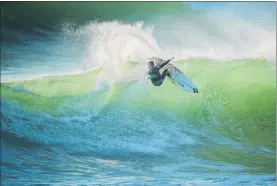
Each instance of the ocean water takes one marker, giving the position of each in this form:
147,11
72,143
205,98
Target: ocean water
72,113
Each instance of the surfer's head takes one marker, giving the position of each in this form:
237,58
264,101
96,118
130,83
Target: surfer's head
151,65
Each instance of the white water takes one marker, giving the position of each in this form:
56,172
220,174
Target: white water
109,44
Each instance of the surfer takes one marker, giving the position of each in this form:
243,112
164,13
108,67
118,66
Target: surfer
156,77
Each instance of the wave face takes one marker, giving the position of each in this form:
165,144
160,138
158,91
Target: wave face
72,113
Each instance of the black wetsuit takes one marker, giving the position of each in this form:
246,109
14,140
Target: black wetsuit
156,77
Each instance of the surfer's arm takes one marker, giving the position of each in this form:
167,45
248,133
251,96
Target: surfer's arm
165,63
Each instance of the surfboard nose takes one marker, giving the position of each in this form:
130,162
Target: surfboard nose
195,90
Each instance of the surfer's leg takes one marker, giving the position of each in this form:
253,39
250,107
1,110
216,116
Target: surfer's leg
164,74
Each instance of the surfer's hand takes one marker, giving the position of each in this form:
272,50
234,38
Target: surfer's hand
171,58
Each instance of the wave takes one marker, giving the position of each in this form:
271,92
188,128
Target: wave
230,95
232,117
69,99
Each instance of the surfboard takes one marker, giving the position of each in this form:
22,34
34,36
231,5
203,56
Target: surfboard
178,77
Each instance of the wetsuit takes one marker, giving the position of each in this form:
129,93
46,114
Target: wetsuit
154,72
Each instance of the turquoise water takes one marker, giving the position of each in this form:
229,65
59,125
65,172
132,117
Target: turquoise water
73,114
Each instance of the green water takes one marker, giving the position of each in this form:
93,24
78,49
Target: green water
237,98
